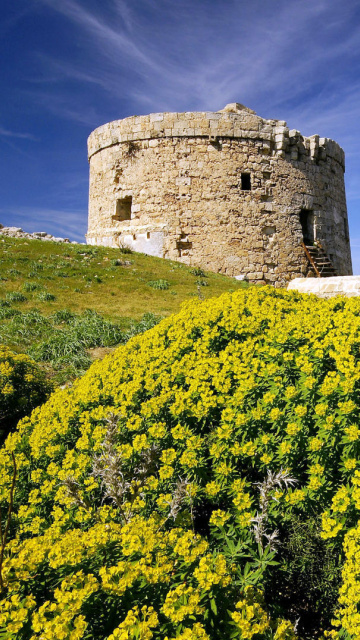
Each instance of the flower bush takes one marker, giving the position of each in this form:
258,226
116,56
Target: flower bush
22,387
157,498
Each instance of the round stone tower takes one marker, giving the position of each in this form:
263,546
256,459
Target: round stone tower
227,191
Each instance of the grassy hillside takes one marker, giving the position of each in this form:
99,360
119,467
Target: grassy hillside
66,304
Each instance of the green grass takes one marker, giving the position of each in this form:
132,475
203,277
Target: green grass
159,284
66,304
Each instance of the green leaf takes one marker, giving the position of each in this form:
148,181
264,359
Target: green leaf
213,606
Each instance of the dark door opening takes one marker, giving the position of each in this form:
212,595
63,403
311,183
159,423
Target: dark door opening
307,226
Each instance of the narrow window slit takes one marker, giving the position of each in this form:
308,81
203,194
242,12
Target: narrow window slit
245,182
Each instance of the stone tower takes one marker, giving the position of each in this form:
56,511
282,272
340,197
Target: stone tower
227,191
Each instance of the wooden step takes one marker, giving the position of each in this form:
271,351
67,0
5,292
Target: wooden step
319,260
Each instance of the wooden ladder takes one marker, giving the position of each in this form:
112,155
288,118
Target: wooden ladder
319,260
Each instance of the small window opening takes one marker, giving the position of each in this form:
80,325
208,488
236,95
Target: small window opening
148,235
123,209
245,182
307,226
346,230
269,231
183,243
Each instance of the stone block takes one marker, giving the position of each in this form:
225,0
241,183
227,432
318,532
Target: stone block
156,117
348,286
183,180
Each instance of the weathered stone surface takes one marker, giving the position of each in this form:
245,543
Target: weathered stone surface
328,287
235,107
174,185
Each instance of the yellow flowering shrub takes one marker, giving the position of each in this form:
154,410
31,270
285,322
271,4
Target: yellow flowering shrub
154,498
22,387
137,624
252,620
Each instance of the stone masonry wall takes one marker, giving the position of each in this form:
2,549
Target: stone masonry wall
179,177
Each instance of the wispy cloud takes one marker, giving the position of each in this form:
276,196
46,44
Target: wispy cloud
201,55
66,107
71,224
6,133
106,36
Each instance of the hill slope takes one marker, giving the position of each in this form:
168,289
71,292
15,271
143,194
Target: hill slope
40,280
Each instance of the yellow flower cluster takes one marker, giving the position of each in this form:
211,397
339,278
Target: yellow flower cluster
251,619
211,571
219,517
14,612
22,386
182,602
61,619
347,615
137,624
204,404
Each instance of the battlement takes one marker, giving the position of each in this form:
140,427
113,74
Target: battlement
234,121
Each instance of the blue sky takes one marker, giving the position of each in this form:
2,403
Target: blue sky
68,66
